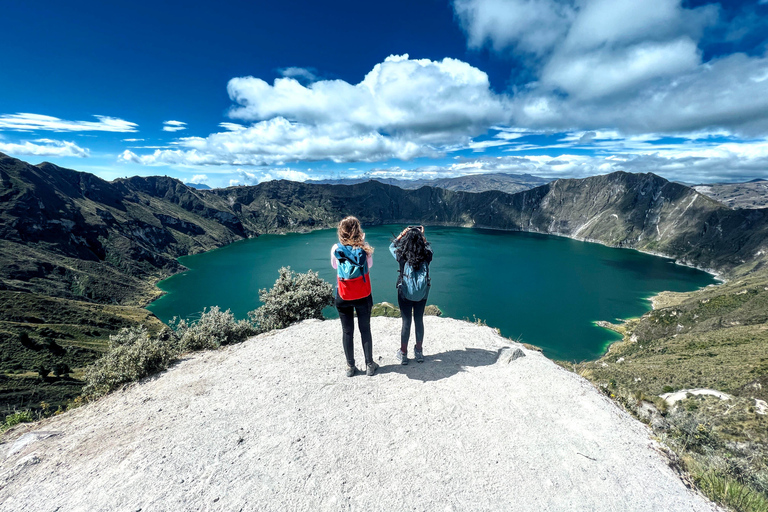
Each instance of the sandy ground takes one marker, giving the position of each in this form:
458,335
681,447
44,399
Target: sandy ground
273,424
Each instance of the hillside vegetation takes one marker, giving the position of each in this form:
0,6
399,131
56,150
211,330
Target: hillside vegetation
715,338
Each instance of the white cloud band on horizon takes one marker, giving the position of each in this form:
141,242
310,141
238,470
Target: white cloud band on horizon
44,147
198,179
30,122
722,163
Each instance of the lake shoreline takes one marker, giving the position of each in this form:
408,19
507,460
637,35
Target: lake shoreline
599,341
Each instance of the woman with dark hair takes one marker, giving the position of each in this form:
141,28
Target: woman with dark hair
352,257
414,254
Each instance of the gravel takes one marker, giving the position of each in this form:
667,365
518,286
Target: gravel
274,424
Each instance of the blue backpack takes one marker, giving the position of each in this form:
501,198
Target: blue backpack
414,284
352,279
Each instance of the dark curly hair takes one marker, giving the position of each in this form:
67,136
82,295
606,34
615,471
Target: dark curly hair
412,247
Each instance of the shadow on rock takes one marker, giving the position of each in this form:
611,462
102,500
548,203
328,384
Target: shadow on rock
441,365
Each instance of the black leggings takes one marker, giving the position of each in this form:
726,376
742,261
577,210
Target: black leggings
408,309
346,310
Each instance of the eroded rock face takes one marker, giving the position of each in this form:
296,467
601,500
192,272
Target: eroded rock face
274,424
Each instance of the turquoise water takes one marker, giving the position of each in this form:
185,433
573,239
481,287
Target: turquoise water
540,289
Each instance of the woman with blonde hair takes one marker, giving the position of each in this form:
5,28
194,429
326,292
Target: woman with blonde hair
352,257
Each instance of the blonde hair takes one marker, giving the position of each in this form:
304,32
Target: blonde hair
350,233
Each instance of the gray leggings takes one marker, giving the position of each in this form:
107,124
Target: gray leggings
410,309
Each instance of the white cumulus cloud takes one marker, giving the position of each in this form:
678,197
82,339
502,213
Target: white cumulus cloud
527,26
404,108
620,64
29,122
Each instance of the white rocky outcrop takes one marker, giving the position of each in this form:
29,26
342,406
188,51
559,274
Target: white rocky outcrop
273,424
676,396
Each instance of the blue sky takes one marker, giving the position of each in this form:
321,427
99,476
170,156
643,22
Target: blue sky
231,93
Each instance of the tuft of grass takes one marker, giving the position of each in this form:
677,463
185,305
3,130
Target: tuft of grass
14,419
728,491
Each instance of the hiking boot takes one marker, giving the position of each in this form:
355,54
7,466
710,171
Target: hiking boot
419,356
371,369
402,358
351,370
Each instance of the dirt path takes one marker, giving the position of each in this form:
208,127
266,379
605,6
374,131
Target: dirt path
273,424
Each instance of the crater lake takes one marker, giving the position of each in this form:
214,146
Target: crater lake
540,289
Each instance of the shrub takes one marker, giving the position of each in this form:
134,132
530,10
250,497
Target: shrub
42,371
61,369
133,355
693,432
25,341
214,329
293,298
17,417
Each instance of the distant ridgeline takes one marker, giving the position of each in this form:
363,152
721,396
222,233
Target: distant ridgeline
72,235
84,241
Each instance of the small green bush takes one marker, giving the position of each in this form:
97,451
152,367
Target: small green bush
293,298
14,419
133,355
214,329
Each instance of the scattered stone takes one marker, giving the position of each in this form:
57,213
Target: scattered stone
676,396
761,406
28,460
651,415
27,439
508,354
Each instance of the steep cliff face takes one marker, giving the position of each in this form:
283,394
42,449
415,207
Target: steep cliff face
75,234
641,211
